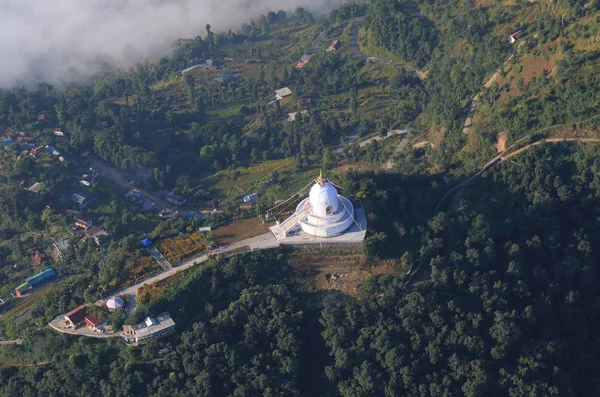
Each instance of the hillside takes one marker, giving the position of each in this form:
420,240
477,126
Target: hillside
467,132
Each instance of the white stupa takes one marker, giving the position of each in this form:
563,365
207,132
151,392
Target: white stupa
115,303
324,213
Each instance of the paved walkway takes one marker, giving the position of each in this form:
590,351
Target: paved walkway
263,241
162,261
11,342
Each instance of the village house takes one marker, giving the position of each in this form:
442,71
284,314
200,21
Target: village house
76,316
135,195
84,223
45,117
52,150
23,154
37,259
60,247
304,102
34,280
93,323
168,213
35,152
303,60
514,36
35,188
292,116
79,315
28,139
152,328
99,235
282,93
59,132
208,65
250,198
171,197
87,179
79,199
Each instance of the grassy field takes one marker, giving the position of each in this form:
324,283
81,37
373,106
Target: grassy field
228,111
176,249
231,188
224,182
366,46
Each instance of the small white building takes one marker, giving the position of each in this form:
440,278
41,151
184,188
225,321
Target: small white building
152,328
115,304
282,93
292,116
513,37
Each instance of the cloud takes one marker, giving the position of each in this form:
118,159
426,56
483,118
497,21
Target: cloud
70,40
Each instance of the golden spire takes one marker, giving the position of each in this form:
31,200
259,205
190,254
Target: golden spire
321,180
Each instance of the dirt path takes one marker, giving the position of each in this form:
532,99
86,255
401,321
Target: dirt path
549,140
399,147
505,155
24,365
380,138
477,98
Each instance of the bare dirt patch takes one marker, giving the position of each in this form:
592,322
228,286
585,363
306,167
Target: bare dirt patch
530,66
240,230
500,144
339,270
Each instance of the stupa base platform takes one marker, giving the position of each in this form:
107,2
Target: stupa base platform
354,235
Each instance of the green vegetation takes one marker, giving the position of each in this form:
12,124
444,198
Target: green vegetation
489,292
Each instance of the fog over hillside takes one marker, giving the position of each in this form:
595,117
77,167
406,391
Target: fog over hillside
66,40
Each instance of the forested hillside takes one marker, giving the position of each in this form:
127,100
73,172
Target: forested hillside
468,133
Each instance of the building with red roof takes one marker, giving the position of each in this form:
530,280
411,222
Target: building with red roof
76,316
92,322
45,116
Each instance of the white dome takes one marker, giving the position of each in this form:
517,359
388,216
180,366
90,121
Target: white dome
115,303
323,199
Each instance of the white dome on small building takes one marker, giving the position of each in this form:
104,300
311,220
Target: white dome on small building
324,213
323,199
115,303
